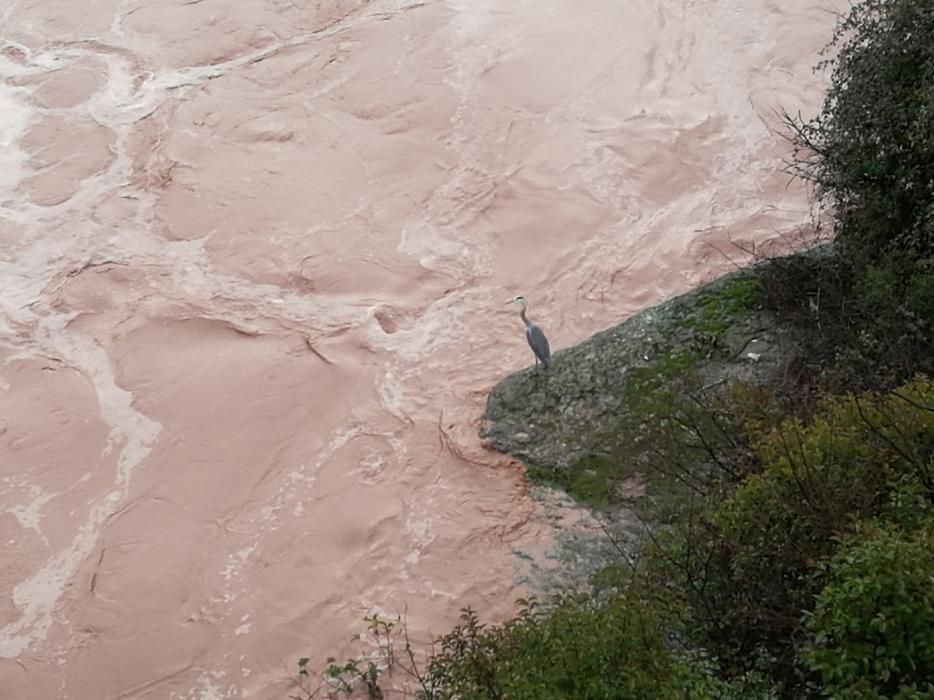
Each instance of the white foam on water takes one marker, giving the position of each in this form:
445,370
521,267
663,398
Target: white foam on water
29,515
16,116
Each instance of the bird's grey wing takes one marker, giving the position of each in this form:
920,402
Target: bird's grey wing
538,342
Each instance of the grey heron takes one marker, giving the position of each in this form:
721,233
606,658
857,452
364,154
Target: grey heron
537,340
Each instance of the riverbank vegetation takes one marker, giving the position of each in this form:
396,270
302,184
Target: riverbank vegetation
789,539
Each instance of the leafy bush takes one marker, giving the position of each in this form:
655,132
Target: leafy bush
873,624
345,679
748,566
860,326
868,307
577,649
870,151
893,305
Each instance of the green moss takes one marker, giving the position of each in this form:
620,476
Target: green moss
718,309
648,388
651,394
872,629
758,549
591,481
652,437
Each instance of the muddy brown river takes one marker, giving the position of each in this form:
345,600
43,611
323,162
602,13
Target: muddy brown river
254,256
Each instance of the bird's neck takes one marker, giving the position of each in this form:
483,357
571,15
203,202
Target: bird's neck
525,319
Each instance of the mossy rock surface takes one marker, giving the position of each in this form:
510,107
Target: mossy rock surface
709,337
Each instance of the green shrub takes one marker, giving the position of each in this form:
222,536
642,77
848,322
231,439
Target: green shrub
860,326
748,566
890,318
868,307
870,150
577,649
719,309
873,625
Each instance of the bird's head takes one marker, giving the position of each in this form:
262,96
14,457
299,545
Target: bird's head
519,301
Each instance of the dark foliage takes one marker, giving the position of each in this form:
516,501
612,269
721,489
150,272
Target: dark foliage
862,326
870,151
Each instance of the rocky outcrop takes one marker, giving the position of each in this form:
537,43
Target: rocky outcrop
717,334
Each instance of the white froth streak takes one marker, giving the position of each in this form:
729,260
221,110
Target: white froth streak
37,596
29,515
133,429
17,115
206,690
14,122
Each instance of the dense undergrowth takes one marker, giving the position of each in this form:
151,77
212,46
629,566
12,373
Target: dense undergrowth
791,552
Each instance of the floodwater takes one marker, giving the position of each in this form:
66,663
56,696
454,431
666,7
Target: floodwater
254,256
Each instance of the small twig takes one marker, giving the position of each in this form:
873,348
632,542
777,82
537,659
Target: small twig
317,352
919,406
616,545
880,433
